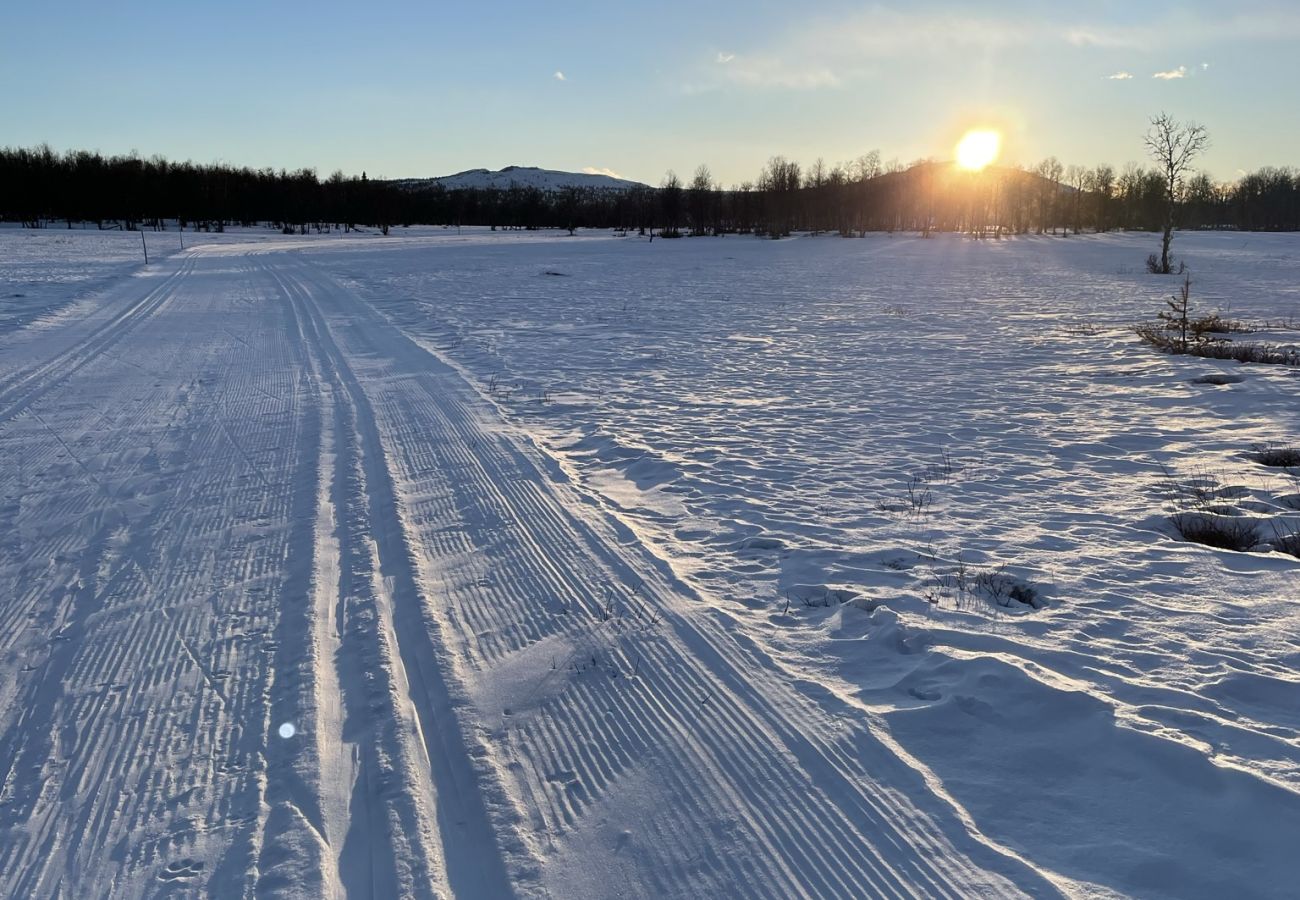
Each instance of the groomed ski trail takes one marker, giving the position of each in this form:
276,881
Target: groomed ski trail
243,499
615,725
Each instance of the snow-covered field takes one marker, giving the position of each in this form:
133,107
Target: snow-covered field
493,563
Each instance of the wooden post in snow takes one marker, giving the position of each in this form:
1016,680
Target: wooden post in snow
146,248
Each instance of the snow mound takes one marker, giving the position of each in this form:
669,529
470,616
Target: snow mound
1081,791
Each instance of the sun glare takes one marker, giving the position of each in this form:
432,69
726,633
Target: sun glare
978,148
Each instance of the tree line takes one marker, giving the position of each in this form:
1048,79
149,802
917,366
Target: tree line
42,188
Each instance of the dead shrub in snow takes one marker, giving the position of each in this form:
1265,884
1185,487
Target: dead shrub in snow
916,500
1247,352
1218,379
1179,332
1154,267
1155,334
1202,490
918,497
1286,537
993,585
1277,457
1202,344
1217,324
1082,328
1007,591
1223,532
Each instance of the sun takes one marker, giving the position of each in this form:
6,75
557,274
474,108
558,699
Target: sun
977,148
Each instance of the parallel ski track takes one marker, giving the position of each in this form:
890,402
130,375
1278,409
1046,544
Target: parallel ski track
758,784
152,517
444,805
266,504
19,390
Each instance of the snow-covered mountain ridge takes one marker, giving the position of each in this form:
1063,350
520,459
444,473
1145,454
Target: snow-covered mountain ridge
524,177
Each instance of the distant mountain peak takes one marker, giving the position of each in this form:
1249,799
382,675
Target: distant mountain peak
523,177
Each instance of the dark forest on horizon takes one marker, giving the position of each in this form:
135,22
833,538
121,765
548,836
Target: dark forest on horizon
41,188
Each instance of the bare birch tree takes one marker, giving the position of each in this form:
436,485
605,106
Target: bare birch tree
1173,145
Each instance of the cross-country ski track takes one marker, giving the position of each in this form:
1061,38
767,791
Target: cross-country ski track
248,501
236,497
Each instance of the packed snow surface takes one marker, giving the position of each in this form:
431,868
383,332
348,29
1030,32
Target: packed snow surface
491,565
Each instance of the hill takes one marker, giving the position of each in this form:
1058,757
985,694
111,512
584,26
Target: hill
523,177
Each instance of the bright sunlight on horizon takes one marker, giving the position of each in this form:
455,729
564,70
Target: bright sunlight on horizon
978,148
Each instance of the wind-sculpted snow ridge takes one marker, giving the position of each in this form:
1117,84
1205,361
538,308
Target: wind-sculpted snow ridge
375,567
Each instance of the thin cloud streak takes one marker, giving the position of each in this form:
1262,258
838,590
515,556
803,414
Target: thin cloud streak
830,52
1188,29
773,72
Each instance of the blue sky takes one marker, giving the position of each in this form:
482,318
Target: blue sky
412,89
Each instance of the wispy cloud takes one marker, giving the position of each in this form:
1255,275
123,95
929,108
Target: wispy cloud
828,52
1104,36
1259,23
597,170
771,71
559,76
889,33
1172,74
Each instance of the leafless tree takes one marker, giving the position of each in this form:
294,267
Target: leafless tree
1102,186
866,166
1173,145
699,197
1049,173
670,205
816,174
779,183
1077,179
